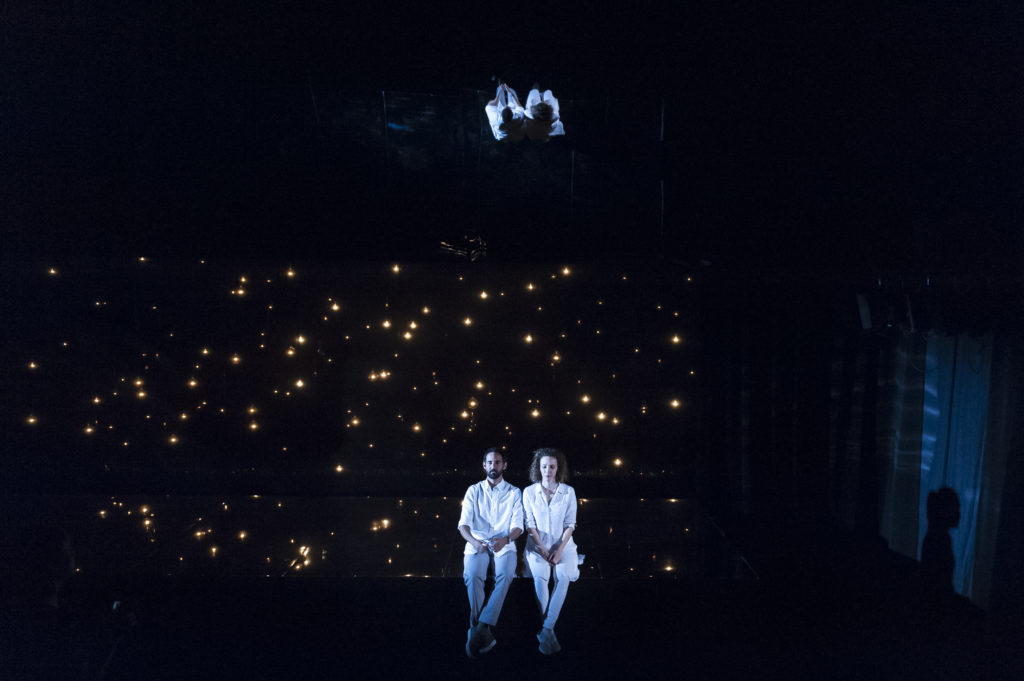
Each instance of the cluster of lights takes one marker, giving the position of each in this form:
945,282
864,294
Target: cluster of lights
604,410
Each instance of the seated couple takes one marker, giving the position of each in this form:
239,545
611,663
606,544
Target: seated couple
512,122
495,513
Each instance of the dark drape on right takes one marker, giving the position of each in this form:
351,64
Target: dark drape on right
815,421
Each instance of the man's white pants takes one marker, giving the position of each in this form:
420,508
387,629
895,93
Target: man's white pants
474,572
566,571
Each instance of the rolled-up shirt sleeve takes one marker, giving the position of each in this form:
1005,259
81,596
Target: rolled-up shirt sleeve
517,512
570,511
468,507
531,519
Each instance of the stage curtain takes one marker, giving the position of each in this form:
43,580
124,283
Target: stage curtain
953,436
900,402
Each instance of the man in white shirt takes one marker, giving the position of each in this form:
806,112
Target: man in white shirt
506,115
491,520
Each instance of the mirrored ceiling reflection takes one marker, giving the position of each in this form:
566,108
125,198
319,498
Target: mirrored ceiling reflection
353,537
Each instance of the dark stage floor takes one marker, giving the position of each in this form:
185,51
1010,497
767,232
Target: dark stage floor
610,629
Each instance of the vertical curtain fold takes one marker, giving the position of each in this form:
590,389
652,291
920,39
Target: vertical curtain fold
953,437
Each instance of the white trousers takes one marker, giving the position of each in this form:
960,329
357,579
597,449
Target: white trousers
536,97
550,599
541,132
474,573
493,111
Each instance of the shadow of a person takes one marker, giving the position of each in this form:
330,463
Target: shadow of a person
937,560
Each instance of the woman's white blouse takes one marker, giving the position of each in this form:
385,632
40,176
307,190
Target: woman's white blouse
550,519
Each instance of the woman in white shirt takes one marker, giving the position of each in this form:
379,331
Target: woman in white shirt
550,507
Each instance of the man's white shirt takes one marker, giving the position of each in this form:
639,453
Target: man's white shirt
492,512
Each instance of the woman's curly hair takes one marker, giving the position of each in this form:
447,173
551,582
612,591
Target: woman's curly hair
561,475
542,112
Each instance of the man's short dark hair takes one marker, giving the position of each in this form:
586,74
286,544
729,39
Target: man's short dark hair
495,450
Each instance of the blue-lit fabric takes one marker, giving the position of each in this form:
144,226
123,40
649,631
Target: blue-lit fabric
953,437
901,381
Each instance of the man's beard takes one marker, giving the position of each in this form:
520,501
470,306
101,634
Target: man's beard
493,474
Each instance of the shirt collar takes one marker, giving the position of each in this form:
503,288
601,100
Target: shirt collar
500,487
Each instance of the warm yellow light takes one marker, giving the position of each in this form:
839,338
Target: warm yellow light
396,269
386,323
252,410
674,404
213,550
479,385
464,414
138,382
300,339
52,271
299,383
385,523
339,468
173,440
472,404
416,427
290,352
676,339
204,351
31,420
97,399
617,462
355,421
412,325
253,425
483,295
192,383
565,271
235,359
426,310
88,430
467,321
535,413
141,394
615,421
373,376
33,365
530,287
290,273
335,307
601,416
242,535
585,399
407,335
556,358
528,338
